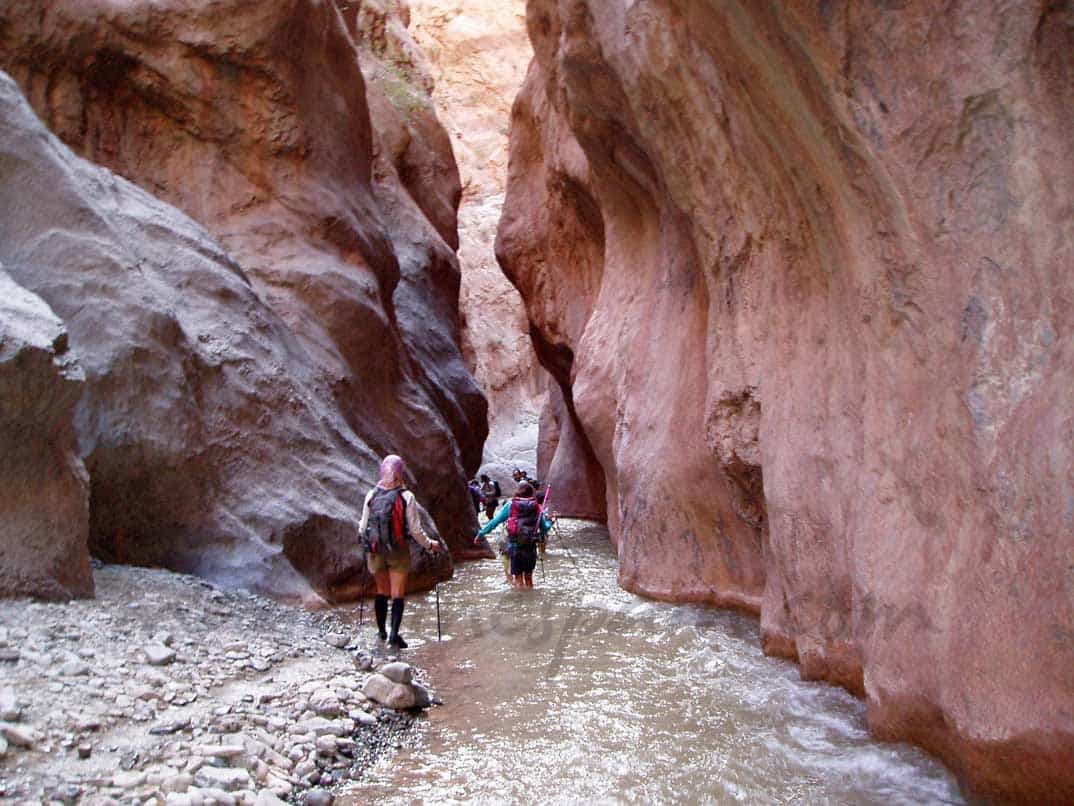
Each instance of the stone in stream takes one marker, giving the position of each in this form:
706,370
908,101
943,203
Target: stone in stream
388,693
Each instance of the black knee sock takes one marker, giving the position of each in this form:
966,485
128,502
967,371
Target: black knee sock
397,616
380,607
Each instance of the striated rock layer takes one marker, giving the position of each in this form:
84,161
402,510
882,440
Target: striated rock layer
334,199
801,270
44,503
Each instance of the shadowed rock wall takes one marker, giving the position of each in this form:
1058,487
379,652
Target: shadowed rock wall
255,119
44,504
801,269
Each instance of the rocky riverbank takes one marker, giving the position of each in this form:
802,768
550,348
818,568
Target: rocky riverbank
165,689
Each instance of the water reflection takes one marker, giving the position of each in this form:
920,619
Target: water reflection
579,691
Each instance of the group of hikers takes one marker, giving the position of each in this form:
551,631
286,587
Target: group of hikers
391,514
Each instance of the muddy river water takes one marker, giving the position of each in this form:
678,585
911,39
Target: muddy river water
578,691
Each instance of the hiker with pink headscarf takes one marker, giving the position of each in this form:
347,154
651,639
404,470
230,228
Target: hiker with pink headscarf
390,515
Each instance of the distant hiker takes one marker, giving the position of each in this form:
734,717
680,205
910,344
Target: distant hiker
520,476
491,490
390,515
526,528
475,495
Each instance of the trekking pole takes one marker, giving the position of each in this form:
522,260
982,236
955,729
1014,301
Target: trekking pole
436,588
361,608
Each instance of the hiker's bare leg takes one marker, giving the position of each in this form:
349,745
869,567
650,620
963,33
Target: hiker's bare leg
383,583
398,583
529,580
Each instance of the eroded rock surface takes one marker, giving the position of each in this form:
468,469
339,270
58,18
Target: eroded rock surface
800,271
256,121
44,489
477,52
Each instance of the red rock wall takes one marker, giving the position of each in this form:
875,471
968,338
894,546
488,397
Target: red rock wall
802,268
335,196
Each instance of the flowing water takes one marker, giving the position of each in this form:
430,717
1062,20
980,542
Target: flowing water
579,691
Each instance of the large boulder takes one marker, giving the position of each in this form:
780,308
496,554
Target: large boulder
44,488
801,271
254,118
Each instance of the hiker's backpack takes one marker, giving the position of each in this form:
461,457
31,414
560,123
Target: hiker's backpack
523,523
385,530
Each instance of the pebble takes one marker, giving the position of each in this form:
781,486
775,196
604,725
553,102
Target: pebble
159,654
10,711
9,655
337,639
75,668
18,735
225,778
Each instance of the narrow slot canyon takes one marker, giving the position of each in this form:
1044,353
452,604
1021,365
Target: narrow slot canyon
769,301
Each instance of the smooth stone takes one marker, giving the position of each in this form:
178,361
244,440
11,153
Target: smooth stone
318,797
398,672
75,668
422,699
391,695
224,778
18,735
338,640
158,654
128,780
218,750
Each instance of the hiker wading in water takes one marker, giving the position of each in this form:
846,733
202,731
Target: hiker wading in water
527,526
390,515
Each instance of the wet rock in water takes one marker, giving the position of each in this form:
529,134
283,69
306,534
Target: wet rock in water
397,672
422,699
389,693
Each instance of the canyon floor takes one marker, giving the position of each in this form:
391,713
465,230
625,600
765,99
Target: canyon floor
166,689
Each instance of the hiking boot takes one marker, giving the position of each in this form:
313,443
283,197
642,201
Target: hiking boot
397,642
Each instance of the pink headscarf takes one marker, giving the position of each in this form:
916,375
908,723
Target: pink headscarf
392,472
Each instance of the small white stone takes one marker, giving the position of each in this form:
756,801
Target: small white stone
159,655
128,780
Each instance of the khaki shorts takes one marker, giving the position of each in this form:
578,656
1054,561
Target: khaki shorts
397,560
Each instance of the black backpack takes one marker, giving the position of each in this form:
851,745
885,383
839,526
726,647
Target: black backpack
385,530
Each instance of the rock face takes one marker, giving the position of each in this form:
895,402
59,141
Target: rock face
44,506
477,53
334,200
800,272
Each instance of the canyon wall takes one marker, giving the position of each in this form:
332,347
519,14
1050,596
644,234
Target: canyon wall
244,381
477,52
801,271
44,506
